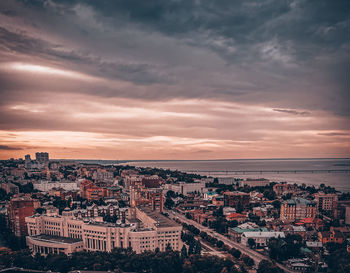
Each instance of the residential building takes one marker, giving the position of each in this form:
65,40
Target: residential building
254,182
332,236
48,185
9,188
297,208
326,202
42,157
91,191
236,217
238,200
18,209
186,188
283,188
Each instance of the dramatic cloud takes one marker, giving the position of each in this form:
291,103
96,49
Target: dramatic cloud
175,79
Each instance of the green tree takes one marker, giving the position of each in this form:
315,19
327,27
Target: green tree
266,266
251,242
184,252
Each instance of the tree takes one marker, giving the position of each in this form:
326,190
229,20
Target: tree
184,253
198,247
235,253
266,266
276,204
169,203
220,244
270,194
168,247
248,261
251,242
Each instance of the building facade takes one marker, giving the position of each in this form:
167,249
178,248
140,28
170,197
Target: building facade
18,209
145,229
326,202
236,199
297,208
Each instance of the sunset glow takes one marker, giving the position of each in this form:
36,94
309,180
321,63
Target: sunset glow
94,83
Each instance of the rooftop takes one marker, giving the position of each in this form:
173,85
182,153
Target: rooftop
55,239
300,201
264,234
162,220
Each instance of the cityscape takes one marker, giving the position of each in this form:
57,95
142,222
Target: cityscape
54,213
174,136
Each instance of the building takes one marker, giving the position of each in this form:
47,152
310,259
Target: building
332,236
260,238
236,199
9,188
18,209
90,191
227,180
236,233
186,188
218,201
144,230
283,188
297,208
103,175
326,203
101,211
236,217
48,185
42,158
258,182
209,195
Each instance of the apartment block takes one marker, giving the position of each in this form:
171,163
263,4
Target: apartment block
19,208
297,208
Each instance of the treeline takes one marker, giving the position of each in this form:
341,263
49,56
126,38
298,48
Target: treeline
120,259
219,244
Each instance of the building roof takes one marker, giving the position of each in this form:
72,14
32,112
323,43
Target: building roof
242,230
264,234
300,201
56,239
162,220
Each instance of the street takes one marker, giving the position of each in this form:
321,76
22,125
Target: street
257,257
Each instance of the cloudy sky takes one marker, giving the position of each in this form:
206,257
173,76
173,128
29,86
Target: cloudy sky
175,79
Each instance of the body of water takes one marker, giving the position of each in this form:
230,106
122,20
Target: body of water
218,168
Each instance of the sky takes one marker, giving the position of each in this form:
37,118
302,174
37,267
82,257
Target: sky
175,79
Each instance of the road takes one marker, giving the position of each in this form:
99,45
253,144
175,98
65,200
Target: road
257,257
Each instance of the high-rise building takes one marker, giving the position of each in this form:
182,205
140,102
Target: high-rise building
19,208
297,208
42,158
27,162
326,202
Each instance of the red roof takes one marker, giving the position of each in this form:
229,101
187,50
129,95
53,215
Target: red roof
236,215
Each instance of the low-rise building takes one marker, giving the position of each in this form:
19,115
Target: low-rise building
333,236
236,217
236,232
10,188
261,238
254,182
236,199
283,188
